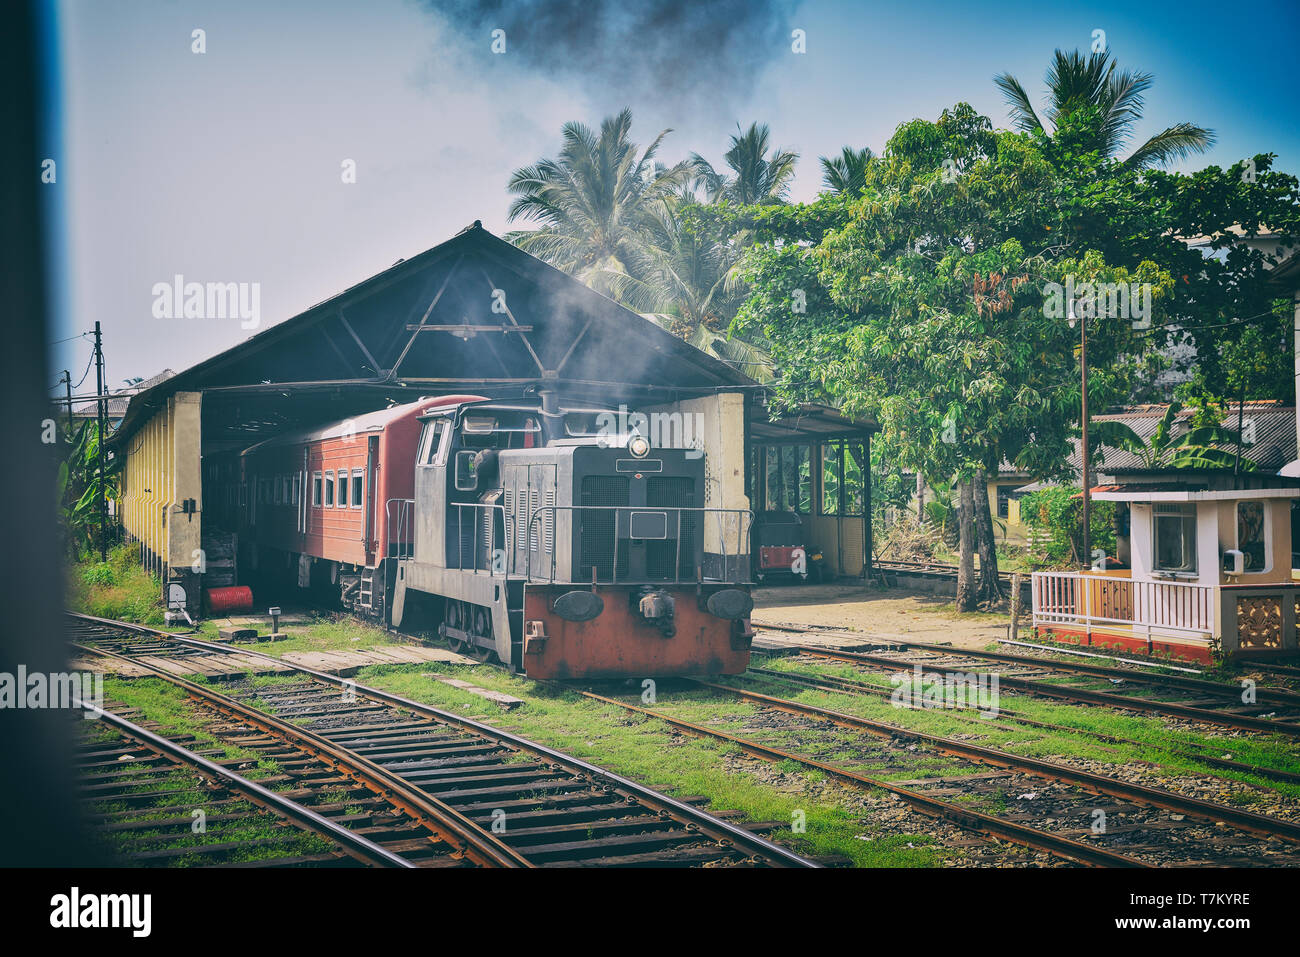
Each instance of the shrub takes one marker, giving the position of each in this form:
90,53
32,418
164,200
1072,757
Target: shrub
1056,513
117,588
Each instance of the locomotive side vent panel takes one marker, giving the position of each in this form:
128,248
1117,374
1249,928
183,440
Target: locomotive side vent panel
598,526
662,556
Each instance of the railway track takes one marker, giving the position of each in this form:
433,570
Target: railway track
1275,710
1030,801
510,801
1004,715
151,801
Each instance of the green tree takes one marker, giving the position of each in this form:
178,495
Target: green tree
683,281
593,201
78,490
925,306
1094,105
846,173
756,178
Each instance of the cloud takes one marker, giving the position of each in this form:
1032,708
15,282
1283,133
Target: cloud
705,55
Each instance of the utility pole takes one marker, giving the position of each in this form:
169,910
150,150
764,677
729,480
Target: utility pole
1083,443
67,382
100,411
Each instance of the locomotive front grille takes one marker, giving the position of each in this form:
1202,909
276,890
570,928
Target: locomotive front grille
598,529
662,558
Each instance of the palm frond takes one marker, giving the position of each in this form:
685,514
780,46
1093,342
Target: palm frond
1178,142
1023,115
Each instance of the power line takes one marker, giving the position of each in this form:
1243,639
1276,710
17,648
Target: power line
87,372
59,342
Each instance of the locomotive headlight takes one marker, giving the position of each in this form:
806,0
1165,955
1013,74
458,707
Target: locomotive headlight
638,445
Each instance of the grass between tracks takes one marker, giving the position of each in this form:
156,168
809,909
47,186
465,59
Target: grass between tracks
172,815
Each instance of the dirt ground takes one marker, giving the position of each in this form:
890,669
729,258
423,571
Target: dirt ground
878,613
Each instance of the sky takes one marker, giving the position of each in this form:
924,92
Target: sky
228,165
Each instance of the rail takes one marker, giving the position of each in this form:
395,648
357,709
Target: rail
598,543
1075,598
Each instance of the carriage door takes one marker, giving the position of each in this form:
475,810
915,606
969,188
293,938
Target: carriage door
368,503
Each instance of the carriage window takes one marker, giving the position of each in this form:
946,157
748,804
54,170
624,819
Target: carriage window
1175,538
315,489
1250,536
329,489
357,480
343,488
297,480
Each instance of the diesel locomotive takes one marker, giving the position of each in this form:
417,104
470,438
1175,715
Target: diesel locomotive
520,530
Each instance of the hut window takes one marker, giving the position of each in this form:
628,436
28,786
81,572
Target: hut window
844,477
831,469
1175,538
1251,534
855,472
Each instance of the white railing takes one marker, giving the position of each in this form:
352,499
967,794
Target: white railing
1074,598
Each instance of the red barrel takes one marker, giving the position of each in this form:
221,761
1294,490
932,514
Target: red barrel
223,601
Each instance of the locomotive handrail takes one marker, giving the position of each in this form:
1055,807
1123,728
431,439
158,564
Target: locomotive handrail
497,511
403,544
741,532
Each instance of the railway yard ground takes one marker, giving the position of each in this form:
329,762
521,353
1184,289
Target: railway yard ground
811,748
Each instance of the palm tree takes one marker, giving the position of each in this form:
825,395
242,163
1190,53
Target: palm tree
591,202
846,173
683,281
1076,85
756,179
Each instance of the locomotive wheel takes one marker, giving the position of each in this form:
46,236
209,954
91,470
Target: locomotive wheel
482,627
455,618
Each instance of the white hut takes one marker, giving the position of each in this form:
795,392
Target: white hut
1202,569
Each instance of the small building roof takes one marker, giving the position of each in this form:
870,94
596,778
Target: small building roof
1273,426
811,422
1175,492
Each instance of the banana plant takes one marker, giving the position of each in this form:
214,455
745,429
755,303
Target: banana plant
78,489
1197,448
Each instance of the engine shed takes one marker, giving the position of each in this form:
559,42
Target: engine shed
474,314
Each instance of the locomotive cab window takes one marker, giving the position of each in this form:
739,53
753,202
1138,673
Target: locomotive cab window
432,440
499,430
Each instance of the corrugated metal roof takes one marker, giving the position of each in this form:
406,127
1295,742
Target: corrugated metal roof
1271,425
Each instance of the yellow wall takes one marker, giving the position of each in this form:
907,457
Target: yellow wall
162,469
722,418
